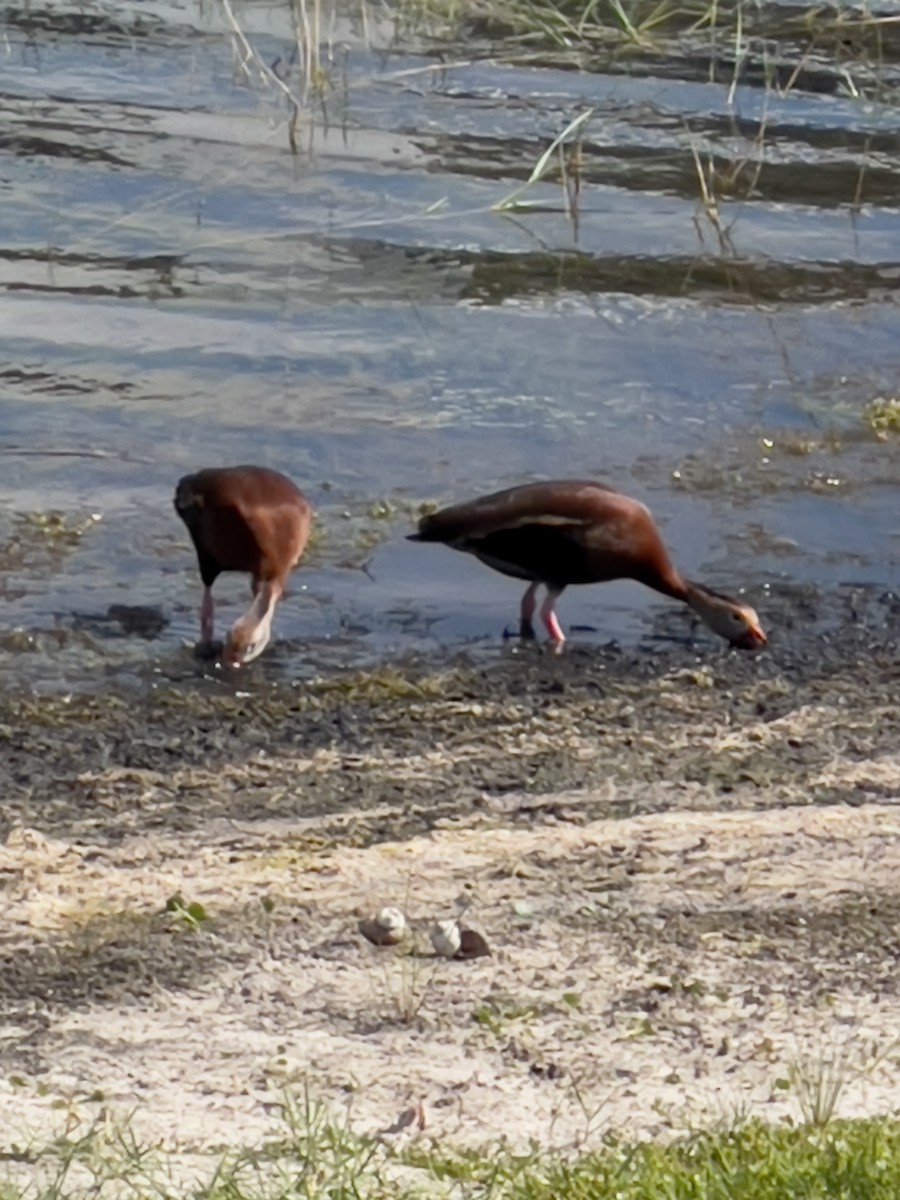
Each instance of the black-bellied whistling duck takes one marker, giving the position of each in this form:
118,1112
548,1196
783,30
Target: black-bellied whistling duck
244,519
574,531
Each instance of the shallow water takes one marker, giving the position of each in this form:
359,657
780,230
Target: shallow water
178,289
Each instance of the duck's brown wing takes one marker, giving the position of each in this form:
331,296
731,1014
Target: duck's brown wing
244,519
219,530
538,531
561,502
561,532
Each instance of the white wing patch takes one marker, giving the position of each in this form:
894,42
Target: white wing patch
553,520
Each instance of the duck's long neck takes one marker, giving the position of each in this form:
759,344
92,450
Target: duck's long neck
267,595
696,595
667,580
706,604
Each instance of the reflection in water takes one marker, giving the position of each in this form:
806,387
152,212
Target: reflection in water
177,290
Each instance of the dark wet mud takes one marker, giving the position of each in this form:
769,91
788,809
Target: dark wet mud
388,752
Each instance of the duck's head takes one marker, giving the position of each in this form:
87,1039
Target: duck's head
249,635
731,619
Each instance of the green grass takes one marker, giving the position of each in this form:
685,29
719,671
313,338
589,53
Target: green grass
750,1162
310,1155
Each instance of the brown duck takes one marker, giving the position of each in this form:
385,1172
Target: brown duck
574,531
247,519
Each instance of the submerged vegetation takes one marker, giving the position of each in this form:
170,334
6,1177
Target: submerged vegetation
835,49
832,46
858,29
882,415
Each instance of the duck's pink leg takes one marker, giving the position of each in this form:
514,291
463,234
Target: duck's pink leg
526,613
548,616
207,613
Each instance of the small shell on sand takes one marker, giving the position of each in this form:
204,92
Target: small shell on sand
386,929
446,939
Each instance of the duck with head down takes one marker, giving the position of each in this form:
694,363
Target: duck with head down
249,519
573,531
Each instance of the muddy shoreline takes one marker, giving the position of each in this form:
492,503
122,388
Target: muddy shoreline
387,753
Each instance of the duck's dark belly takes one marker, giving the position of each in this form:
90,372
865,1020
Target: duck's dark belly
556,554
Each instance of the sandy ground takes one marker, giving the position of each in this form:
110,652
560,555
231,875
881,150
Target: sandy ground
688,874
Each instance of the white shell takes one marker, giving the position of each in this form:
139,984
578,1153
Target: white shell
445,937
386,929
391,920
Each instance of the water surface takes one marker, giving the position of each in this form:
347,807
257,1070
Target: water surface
179,289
